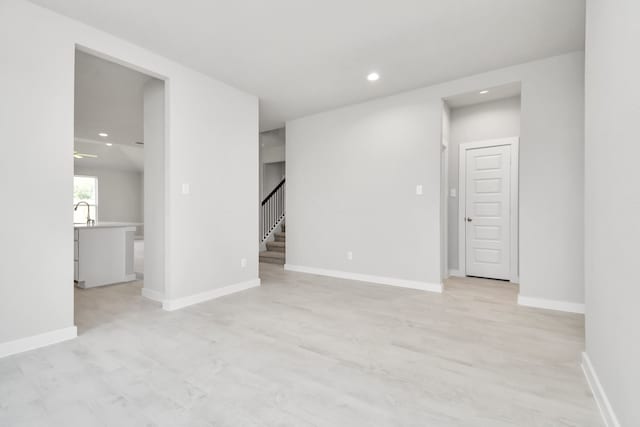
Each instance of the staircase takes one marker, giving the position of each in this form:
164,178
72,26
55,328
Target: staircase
272,216
275,253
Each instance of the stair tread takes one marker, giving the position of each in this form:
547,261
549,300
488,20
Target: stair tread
272,254
276,261
274,243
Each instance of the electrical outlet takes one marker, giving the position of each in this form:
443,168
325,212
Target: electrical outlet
419,190
454,192
349,255
243,262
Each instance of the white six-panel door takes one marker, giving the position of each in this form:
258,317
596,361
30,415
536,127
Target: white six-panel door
487,212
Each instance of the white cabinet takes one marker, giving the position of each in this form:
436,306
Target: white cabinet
103,255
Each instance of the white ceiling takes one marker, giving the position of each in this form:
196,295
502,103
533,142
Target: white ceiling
306,56
118,156
108,98
475,97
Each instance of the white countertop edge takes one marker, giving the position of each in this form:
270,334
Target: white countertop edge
107,225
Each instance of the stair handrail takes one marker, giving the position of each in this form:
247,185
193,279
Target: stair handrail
273,191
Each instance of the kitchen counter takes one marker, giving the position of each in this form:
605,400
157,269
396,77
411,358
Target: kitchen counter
103,253
103,224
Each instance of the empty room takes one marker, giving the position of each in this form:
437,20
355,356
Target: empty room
336,213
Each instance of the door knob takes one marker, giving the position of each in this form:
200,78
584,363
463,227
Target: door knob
469,219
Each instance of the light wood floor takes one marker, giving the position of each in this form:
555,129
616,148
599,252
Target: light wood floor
304,350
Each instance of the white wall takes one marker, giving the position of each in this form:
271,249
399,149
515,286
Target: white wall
272,150
120,196
272,145
273,174
351,179
36,133
155,177
613,201
489,120
212,144
352,173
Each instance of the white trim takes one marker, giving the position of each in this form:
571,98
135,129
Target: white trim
514,142
444,189
456,273
423,286
113,55
549,304
37,341
515,213
178,303
152,294
599,395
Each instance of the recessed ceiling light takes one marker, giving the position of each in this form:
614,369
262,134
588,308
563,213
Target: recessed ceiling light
109,144
482,92
372,77
103,134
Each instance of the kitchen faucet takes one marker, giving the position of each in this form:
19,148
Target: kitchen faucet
89,220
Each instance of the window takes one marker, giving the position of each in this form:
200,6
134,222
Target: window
85,189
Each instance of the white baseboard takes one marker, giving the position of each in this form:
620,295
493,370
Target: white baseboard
178,303
599,395
549,304
37,341
153,295
423,286
456,273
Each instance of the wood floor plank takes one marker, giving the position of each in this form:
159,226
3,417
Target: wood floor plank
305,350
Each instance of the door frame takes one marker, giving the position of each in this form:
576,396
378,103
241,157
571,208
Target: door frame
514,142
116,55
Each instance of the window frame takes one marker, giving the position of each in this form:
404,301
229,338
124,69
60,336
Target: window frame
96,201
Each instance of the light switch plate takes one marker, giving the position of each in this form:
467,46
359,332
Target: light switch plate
349,255
243,262
453,192
419,190
186,188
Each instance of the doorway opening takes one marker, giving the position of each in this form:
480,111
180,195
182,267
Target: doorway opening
480,188
272,203
119,184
